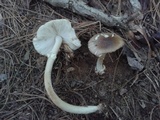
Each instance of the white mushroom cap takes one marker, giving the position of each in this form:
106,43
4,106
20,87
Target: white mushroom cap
103,43
46,34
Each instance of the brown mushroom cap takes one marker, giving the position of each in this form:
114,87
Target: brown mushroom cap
104,43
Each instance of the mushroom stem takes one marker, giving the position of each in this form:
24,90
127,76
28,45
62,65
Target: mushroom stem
99,69
51,93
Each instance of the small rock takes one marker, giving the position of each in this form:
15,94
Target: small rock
26,56
3,77
142,104
70,69
73,84
122,91
134,63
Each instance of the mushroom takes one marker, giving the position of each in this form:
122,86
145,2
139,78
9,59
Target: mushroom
47,42
103,43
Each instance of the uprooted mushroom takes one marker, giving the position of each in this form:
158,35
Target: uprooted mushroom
47,42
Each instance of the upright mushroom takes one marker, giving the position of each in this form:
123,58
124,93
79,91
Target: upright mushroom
47,42
103,43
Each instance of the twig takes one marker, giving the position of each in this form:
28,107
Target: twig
151,113
81,8
115,113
